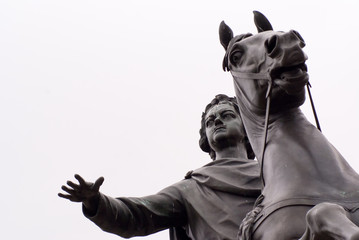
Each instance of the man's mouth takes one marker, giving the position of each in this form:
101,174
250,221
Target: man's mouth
219,128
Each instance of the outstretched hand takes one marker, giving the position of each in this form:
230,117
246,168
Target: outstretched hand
85,192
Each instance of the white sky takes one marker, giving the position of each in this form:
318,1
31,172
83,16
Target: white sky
116,88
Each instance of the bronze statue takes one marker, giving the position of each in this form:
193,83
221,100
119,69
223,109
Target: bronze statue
209,203
299,167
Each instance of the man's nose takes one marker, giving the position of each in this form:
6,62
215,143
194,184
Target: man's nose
217,121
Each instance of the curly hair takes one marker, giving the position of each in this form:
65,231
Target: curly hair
203,141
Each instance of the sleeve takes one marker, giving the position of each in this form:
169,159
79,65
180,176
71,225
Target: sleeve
129,217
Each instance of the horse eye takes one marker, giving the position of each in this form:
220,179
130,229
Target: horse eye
236,56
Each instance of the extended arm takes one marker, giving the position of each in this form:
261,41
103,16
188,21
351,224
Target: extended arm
128,217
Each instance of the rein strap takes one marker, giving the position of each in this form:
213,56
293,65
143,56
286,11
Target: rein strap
313,108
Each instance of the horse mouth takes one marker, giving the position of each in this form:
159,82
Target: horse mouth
291,79
290,72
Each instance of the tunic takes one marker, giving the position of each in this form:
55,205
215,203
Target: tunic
209,204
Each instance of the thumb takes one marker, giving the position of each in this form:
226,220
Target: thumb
98,183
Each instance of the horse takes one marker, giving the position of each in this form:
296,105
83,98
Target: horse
309,190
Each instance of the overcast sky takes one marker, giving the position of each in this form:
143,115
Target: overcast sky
116,88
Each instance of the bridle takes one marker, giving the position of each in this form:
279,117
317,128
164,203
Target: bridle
267,76
260,76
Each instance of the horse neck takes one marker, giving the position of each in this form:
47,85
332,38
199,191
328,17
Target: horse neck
255,125
298,160
294,144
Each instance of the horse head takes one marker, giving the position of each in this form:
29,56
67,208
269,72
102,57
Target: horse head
270,62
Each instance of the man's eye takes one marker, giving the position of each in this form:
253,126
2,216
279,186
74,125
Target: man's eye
228,116
236,56
209,123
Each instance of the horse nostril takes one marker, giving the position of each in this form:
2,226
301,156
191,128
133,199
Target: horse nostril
271,44
302,42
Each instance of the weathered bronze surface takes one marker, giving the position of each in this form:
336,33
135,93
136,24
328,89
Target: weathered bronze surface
209,203
300,168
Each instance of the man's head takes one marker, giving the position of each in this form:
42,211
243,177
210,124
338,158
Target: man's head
222,111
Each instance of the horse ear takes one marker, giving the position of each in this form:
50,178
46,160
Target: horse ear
261,22
225,34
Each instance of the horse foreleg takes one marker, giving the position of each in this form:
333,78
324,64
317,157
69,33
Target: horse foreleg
329,221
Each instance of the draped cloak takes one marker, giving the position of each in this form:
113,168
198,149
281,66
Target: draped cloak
210,203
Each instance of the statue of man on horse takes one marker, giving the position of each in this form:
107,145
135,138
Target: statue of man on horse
300,168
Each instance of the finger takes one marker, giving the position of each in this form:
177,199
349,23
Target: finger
73,185
80,179
64,195
68,190
69,197
98,183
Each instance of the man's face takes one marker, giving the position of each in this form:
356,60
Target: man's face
223,126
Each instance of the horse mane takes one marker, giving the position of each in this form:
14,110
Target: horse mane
246,227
